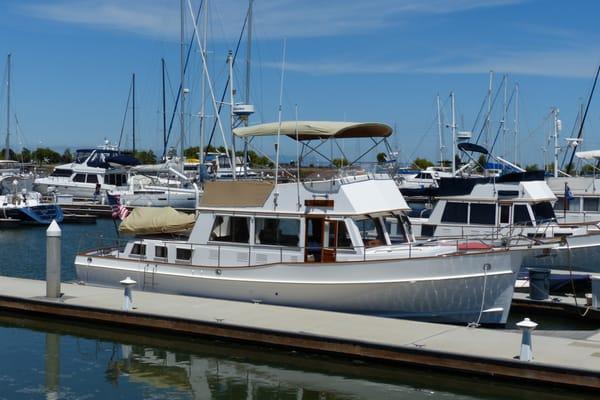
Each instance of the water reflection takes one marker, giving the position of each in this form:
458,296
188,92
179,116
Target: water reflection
82,361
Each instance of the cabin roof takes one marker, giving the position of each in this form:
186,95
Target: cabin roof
309,130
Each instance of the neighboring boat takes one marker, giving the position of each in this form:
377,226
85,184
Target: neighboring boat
102,168
578,196
145,191
513,207
24,207
339,244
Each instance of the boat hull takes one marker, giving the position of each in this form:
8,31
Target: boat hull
452,289
579,253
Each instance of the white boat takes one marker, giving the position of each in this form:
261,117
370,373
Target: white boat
93,171
341,244
147,191
514,207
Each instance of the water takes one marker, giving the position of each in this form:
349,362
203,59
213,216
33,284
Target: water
53,359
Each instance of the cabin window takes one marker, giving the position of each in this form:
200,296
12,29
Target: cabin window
395,229
79,178
230,229
484,214
343,237
543,212
370,231
61,172
277,231
574,205
183,254
560,204
505,214
522,215
138,249
160,252
91,178
455,212
590,204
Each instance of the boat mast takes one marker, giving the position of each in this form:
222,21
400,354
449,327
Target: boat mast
489,111
248,64
504,118
133,112
232,116
516,120
557,127
181,78
164,107
7,144
203,86
439,118
453,135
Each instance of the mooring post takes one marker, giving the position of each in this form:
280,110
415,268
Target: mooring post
595,291
128,298
53,261
527,326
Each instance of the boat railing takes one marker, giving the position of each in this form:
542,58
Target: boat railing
145,250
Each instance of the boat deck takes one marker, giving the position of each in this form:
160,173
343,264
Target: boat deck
489,352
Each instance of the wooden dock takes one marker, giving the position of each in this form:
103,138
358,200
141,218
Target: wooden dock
492,353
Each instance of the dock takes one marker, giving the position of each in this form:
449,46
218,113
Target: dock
488,352
569,306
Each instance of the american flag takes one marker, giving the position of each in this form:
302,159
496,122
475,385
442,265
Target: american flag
119,211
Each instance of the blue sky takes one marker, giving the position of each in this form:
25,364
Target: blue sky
381,60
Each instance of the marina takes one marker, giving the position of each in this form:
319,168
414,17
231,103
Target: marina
302,200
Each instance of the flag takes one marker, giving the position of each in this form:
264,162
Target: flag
568,193
119,211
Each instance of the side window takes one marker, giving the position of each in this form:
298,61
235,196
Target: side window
231,229
484,214
138,249
343,237
521,215
279,232
370,231
395,229
160,252
183,254
455,212
504,214
92,178
590,204
79,178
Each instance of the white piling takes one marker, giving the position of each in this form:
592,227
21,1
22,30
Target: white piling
527,326
596,291
127,295
53,261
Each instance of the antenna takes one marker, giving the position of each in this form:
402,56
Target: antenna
279,121
7,144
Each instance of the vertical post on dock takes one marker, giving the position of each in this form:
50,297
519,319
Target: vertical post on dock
53,261
526,326
127,295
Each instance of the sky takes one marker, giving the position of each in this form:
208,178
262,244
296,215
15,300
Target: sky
347,60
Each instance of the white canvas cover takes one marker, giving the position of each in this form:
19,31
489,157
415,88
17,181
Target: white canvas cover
156,220
588,155
308,130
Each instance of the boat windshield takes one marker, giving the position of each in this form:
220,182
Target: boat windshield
371,231
82,155
543,212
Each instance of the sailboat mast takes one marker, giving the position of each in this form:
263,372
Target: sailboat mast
232,116
181,78
515,159
7,144
164,107
489,111
439,118
453,135
203,86
133,112
249,52
555,135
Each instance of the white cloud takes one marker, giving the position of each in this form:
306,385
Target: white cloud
274,18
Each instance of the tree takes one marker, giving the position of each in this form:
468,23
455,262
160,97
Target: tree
25,155
11,154
44,155
381,157
67,157
339,162
587,169
146,156
532,167
421,163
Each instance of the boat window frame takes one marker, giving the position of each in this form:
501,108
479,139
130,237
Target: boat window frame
256,232
250,234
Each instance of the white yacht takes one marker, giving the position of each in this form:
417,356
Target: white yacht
511,207
339,244
98,168
148,191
